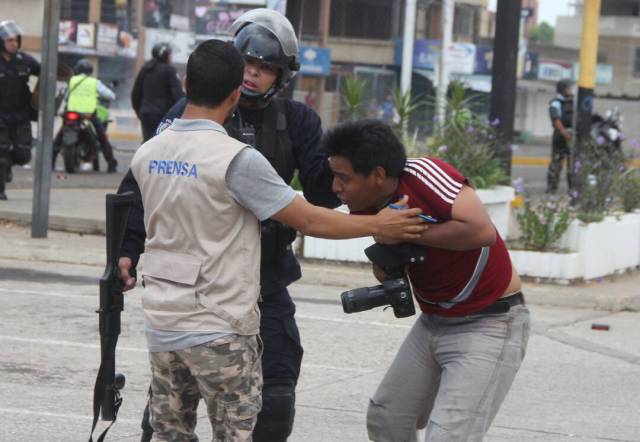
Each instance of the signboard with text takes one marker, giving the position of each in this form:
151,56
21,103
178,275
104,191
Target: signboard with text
315,61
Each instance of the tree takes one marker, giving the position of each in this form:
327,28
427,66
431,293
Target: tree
543,34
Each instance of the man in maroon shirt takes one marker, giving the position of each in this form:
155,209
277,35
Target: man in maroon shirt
459,360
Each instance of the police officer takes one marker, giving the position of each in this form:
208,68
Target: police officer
156,89
561,114
82,98
287,133
15,101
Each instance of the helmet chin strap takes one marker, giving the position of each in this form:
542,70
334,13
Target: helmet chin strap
257,100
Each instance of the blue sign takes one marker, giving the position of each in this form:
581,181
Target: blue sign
425,53
484,60
315,61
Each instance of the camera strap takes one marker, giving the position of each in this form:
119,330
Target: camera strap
473,281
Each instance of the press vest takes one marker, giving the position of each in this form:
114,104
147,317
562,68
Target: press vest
201,266
83,94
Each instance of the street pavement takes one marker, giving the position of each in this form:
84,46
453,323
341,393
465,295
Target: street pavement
575,384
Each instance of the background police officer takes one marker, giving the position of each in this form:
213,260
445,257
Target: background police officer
15,101
287,133
561,114
156,89
82,98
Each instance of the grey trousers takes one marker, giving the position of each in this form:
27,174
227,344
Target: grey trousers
450,375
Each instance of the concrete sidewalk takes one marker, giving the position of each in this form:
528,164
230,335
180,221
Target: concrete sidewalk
620,293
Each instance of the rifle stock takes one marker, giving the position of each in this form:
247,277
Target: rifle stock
106,395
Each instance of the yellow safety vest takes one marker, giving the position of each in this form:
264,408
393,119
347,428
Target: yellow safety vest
83,94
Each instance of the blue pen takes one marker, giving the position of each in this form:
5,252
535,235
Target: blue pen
427,218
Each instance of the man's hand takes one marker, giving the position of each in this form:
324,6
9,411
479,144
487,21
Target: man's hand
378,273
398,226
128,281
567,136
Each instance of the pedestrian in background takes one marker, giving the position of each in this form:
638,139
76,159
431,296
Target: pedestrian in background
156,89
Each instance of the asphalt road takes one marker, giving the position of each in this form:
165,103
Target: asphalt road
575,383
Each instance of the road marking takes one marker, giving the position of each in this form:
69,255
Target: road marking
48,294
59,415
331,367
54,342
353,321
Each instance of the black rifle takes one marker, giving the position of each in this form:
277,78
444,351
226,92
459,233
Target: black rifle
106,393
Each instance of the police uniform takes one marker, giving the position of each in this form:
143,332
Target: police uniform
287,133
560,107
15,109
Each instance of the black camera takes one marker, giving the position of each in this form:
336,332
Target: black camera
395,290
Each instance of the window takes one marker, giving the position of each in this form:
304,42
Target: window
75,10
361,19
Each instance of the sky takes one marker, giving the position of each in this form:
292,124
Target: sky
548,9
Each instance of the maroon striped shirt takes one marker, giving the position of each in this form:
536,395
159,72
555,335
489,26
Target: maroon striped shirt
433,185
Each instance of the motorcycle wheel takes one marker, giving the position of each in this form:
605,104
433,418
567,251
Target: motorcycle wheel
71,160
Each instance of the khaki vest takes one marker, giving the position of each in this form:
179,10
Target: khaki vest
83,94
201,266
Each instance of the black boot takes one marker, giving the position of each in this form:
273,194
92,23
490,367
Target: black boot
113,166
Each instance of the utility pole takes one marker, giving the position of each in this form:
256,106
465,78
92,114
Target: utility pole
407,45
48,76
587,79
325,15
442,76
503,82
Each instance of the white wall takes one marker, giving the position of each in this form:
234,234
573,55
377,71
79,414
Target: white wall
27,13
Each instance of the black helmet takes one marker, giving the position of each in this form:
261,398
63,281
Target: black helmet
161,51
83,66
268,36
10,29
562,86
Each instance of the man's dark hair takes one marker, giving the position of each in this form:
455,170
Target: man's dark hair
367,144
214,70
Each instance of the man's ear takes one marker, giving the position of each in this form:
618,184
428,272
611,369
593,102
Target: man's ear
379,174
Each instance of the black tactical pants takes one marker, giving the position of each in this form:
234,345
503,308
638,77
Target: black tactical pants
15,141
560,152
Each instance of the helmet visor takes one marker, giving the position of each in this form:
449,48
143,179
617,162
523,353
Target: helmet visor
274,22
9,28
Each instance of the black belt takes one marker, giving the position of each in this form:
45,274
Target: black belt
503,305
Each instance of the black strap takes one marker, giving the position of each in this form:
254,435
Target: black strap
275,121
98,396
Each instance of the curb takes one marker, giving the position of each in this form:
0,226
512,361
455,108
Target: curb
58,223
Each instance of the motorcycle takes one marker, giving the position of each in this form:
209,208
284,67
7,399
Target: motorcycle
607,130
79,142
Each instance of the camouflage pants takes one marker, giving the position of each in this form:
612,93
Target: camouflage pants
226,373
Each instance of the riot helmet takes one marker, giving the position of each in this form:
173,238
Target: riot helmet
268,36
83,66
161,51
563,87
10,29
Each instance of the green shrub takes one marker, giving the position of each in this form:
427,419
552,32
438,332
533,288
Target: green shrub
543,224
628,190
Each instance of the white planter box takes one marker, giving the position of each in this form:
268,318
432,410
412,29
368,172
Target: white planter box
597,250
497,201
